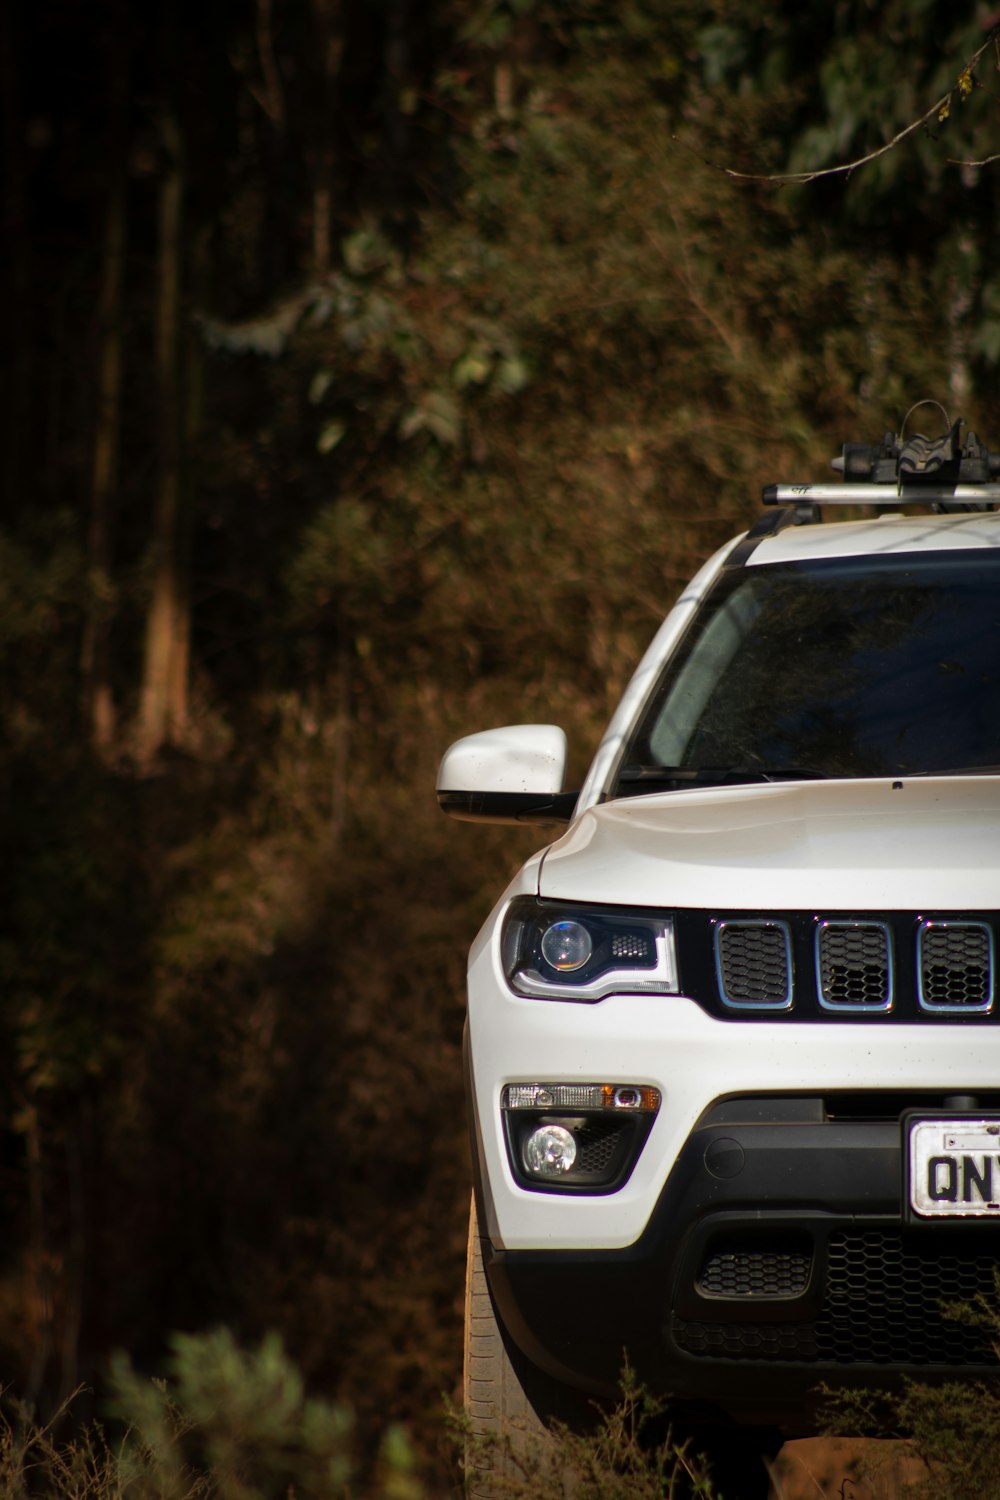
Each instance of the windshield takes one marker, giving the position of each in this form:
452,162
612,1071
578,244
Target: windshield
842,667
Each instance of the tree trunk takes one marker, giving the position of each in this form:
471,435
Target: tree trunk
163,703
98,705
193,401
15,386
39,1262
329,34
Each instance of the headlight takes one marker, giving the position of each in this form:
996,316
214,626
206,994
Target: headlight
553,950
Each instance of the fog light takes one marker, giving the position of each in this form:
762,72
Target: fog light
549,1151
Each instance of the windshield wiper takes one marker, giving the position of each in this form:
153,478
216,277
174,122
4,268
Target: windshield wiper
679,776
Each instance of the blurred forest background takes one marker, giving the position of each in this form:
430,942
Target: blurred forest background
377,371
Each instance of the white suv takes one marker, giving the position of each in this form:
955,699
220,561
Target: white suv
732,1050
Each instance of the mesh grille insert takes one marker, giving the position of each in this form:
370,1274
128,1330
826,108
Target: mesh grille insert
885,1303
853,965
597,1143
754,963
733,1270
956,965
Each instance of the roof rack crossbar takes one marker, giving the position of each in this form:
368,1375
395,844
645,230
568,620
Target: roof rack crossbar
942,472
889,495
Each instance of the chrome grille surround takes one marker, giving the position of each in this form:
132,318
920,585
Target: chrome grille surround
753,964
955,967
854,970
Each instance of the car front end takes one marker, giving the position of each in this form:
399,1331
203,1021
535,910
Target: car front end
700,1159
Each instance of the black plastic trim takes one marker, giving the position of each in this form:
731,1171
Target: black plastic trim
769,523
508,807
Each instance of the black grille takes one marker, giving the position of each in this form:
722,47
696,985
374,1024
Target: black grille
885,1303
955,965
754,966
853,965
596,1144
870,968
755,1271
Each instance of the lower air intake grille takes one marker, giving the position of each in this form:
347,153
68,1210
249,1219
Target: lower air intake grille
742,1271
885,1304
853,965
754,966
956,966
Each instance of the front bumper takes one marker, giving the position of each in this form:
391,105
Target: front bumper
777,1257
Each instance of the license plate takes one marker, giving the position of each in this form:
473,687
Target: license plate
954,1168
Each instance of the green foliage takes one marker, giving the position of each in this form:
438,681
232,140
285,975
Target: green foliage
815,83
952,1429
226,1423
229,1422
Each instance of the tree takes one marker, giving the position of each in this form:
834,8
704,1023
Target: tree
901,150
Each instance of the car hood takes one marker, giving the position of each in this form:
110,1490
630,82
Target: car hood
927,843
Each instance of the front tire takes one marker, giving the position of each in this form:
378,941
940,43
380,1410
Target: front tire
507,1401
511,1448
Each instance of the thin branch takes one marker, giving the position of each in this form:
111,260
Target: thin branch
955,161
939,110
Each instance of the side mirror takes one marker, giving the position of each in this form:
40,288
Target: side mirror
511,775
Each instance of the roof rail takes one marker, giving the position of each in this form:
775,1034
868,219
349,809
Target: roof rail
941,472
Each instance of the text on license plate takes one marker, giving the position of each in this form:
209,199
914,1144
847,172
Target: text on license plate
955,1168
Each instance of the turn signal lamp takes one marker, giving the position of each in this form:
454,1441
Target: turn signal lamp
625,1096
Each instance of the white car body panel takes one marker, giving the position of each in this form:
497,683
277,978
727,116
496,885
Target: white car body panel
921,842
884,534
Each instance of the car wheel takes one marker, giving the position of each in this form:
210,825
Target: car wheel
508,1402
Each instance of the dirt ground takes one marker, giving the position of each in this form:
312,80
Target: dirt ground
844,1469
